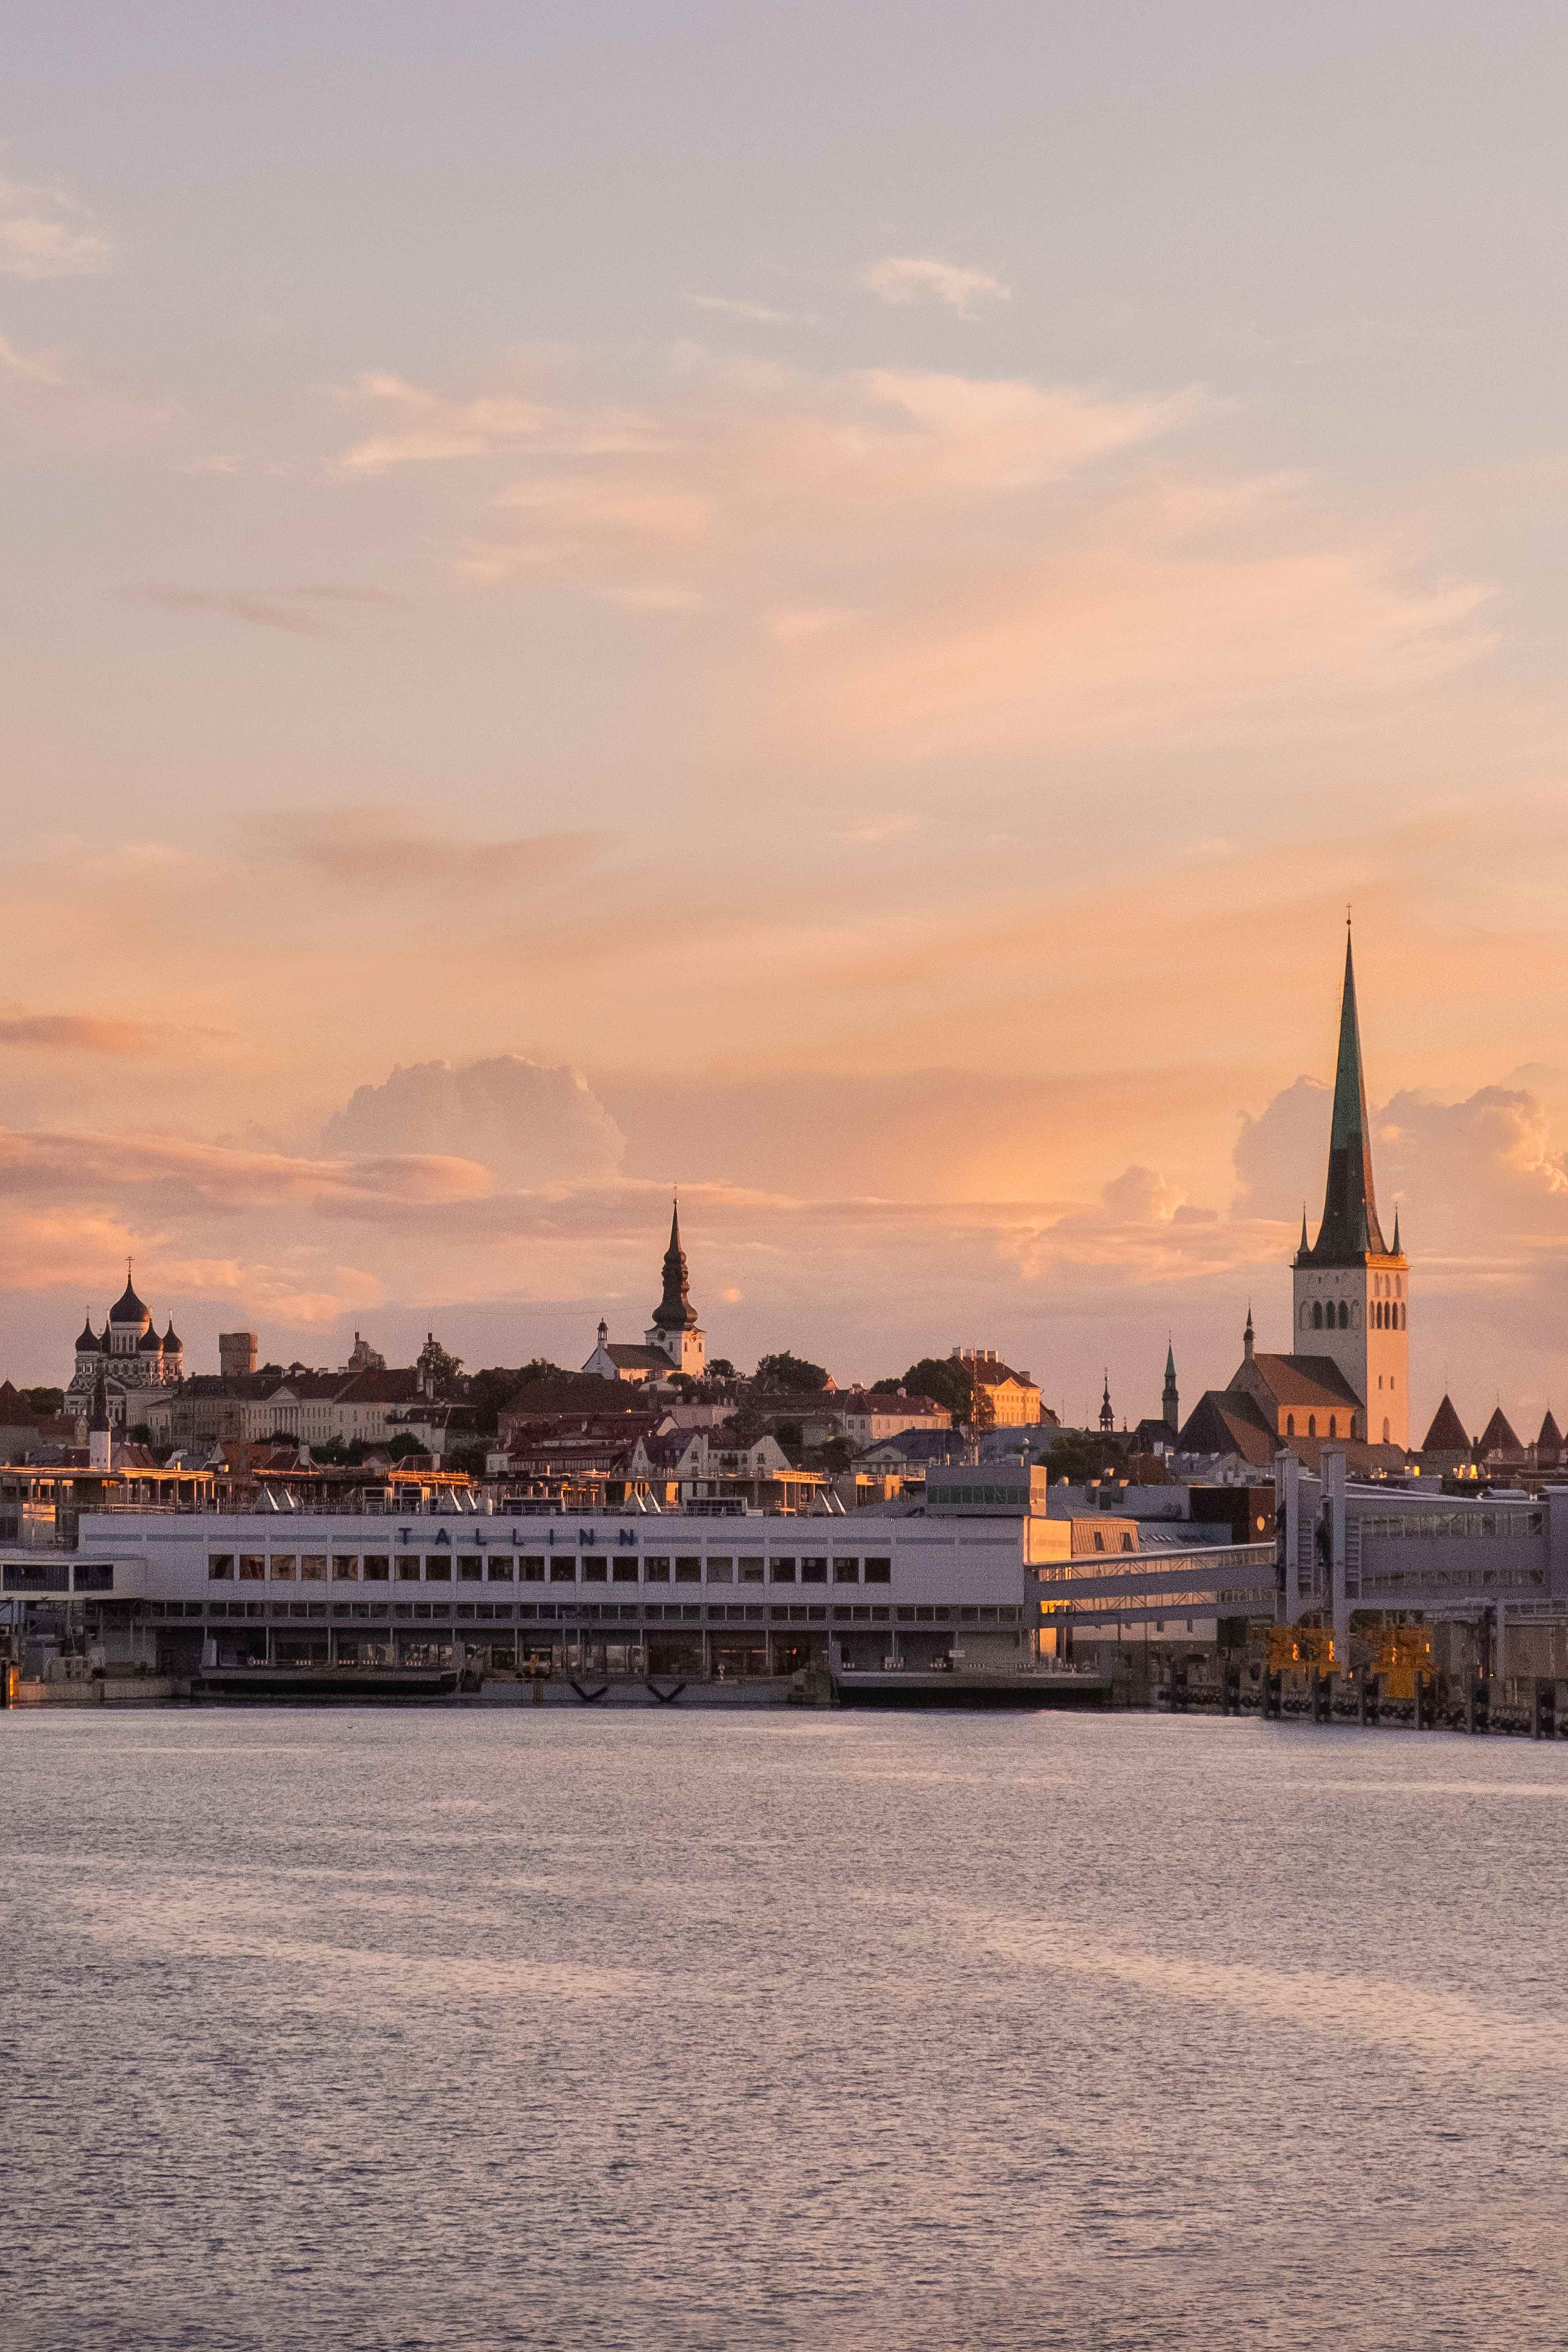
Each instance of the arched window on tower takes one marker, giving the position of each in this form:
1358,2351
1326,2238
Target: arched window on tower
1402,1319
1289,1424
1316,1314
1312,1424
1385,1429
1344,1316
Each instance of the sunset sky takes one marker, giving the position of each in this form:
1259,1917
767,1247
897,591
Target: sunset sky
823,603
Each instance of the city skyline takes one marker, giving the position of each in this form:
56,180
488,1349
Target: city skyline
888,669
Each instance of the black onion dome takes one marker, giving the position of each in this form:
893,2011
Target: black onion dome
89,1342
172,1344
128,1307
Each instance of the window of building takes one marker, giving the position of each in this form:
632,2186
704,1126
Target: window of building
595,1570
1344,1315
1289,1424
750,1572
471,1570
499,1572
655,1569
845,1571
438,1568
689,1572
408,1572
814,1571
1312,1424
220,1567
252,1567
531,1568
563,1571
281,1567
879,1571
781,1571
312,1568
1316,1315
625,1572
345,1568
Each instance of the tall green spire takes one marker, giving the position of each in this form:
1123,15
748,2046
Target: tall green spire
1350,1230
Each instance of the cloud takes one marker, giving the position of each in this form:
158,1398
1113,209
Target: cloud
77,1032
382,848
36,385
907,279
289,609
44,234
424,427
524,1123
757,312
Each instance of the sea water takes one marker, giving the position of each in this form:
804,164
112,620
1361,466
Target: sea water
334,2030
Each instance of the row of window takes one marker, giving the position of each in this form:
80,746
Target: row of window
1384,1315
748,1612
1467,1524
567,1567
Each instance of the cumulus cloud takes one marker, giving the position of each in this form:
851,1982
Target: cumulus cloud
385,849
518,1119
37,386
907,279
44,234
756,313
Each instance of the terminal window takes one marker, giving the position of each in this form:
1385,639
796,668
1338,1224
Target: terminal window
220,1567
814,1571
689,1572
345,1568
531,1569
312,1566
782,1572
281,1567
879,1571
845,1571
655,1569
252,1567
408,1572
721,1572
470,1571
625,1572
750,1572
563,1571
438,1568
500,1571
596,1571
377,1567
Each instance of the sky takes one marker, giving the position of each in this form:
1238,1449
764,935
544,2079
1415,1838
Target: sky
820,604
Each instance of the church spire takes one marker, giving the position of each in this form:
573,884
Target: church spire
1169,1400
675,1311
1350,1230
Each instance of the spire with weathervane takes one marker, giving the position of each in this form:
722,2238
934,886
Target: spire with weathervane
674,1330
1169,1400
1350,1231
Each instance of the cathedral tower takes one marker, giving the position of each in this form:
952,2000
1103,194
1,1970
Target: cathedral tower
674,1330
1350,1287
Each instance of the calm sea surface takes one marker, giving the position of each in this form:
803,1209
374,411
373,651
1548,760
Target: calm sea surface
473,2029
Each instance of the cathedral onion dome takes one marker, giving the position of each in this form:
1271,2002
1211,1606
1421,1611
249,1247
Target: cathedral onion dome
128,1307
172,1344
90,1344
148,1344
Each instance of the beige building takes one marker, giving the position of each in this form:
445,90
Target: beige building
1013,1398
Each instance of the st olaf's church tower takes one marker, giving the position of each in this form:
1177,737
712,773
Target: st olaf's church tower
1350,1287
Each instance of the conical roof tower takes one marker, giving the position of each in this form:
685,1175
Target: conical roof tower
1350,1231
675,1311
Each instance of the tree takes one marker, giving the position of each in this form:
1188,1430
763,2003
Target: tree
403,1445
44,1401
494,1388
887,1388
720,1368
444,1372
790,1440
792,1373
1081,1459
946,1382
